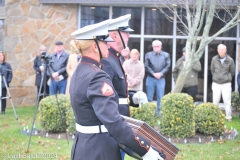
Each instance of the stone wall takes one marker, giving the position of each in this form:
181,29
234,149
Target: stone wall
28,24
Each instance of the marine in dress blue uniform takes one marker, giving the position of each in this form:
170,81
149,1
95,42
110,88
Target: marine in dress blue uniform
113,66
100,128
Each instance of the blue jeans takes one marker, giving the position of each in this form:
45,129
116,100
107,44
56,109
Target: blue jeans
158,84
57,87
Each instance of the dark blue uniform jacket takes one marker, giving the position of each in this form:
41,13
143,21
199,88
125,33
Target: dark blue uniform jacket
92,105
113,67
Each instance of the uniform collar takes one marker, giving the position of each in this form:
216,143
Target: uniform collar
115,53
92,61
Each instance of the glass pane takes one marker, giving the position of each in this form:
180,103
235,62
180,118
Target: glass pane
156,22
134,43
167,47
217,24
91,15
180,45
135,21
1,34
212,51
181,30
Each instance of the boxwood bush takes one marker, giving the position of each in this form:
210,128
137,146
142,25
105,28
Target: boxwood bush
209,119
146,112
52,116
235,101
177,119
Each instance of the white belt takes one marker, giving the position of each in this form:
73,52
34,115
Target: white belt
123,101
90,129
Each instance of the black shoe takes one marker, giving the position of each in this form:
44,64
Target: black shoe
3,112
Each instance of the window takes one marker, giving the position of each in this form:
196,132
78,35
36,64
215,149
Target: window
156,22
92,15
135,21
217,24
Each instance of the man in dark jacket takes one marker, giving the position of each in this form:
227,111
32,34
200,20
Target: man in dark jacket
223,69
157,63
57,70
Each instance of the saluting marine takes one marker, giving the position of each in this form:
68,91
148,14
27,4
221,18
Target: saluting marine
100,127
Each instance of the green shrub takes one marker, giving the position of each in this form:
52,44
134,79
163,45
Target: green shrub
52,115
177,118
70,120
147,113
209,119
235,100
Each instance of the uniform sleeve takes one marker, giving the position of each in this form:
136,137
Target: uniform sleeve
101,95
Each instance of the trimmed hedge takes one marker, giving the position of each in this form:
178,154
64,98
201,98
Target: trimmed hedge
209,119
177,119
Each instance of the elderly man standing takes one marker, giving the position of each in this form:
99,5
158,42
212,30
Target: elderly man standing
157,63
57,70
223,69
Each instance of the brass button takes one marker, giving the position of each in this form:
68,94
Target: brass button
147,146
117,54
137,137
142,142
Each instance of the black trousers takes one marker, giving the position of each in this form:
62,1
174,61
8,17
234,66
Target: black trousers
4,101
192,91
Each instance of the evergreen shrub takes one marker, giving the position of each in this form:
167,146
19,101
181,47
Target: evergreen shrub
52,115
146,112
209,119
177,119
235,101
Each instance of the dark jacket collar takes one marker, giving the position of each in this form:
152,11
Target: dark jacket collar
113,52
92,61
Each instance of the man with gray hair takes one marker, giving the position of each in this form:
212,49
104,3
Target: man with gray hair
223,69
157,63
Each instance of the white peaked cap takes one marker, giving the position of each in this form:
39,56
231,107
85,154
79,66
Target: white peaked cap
117,23
93,31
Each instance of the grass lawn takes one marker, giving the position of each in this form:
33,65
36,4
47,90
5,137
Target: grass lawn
13,145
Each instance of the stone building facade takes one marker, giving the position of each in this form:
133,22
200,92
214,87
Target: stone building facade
29,24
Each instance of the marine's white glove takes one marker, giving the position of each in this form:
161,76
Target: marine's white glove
152,155
139,98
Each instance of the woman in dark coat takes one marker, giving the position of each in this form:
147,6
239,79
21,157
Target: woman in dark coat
6,74
39,66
